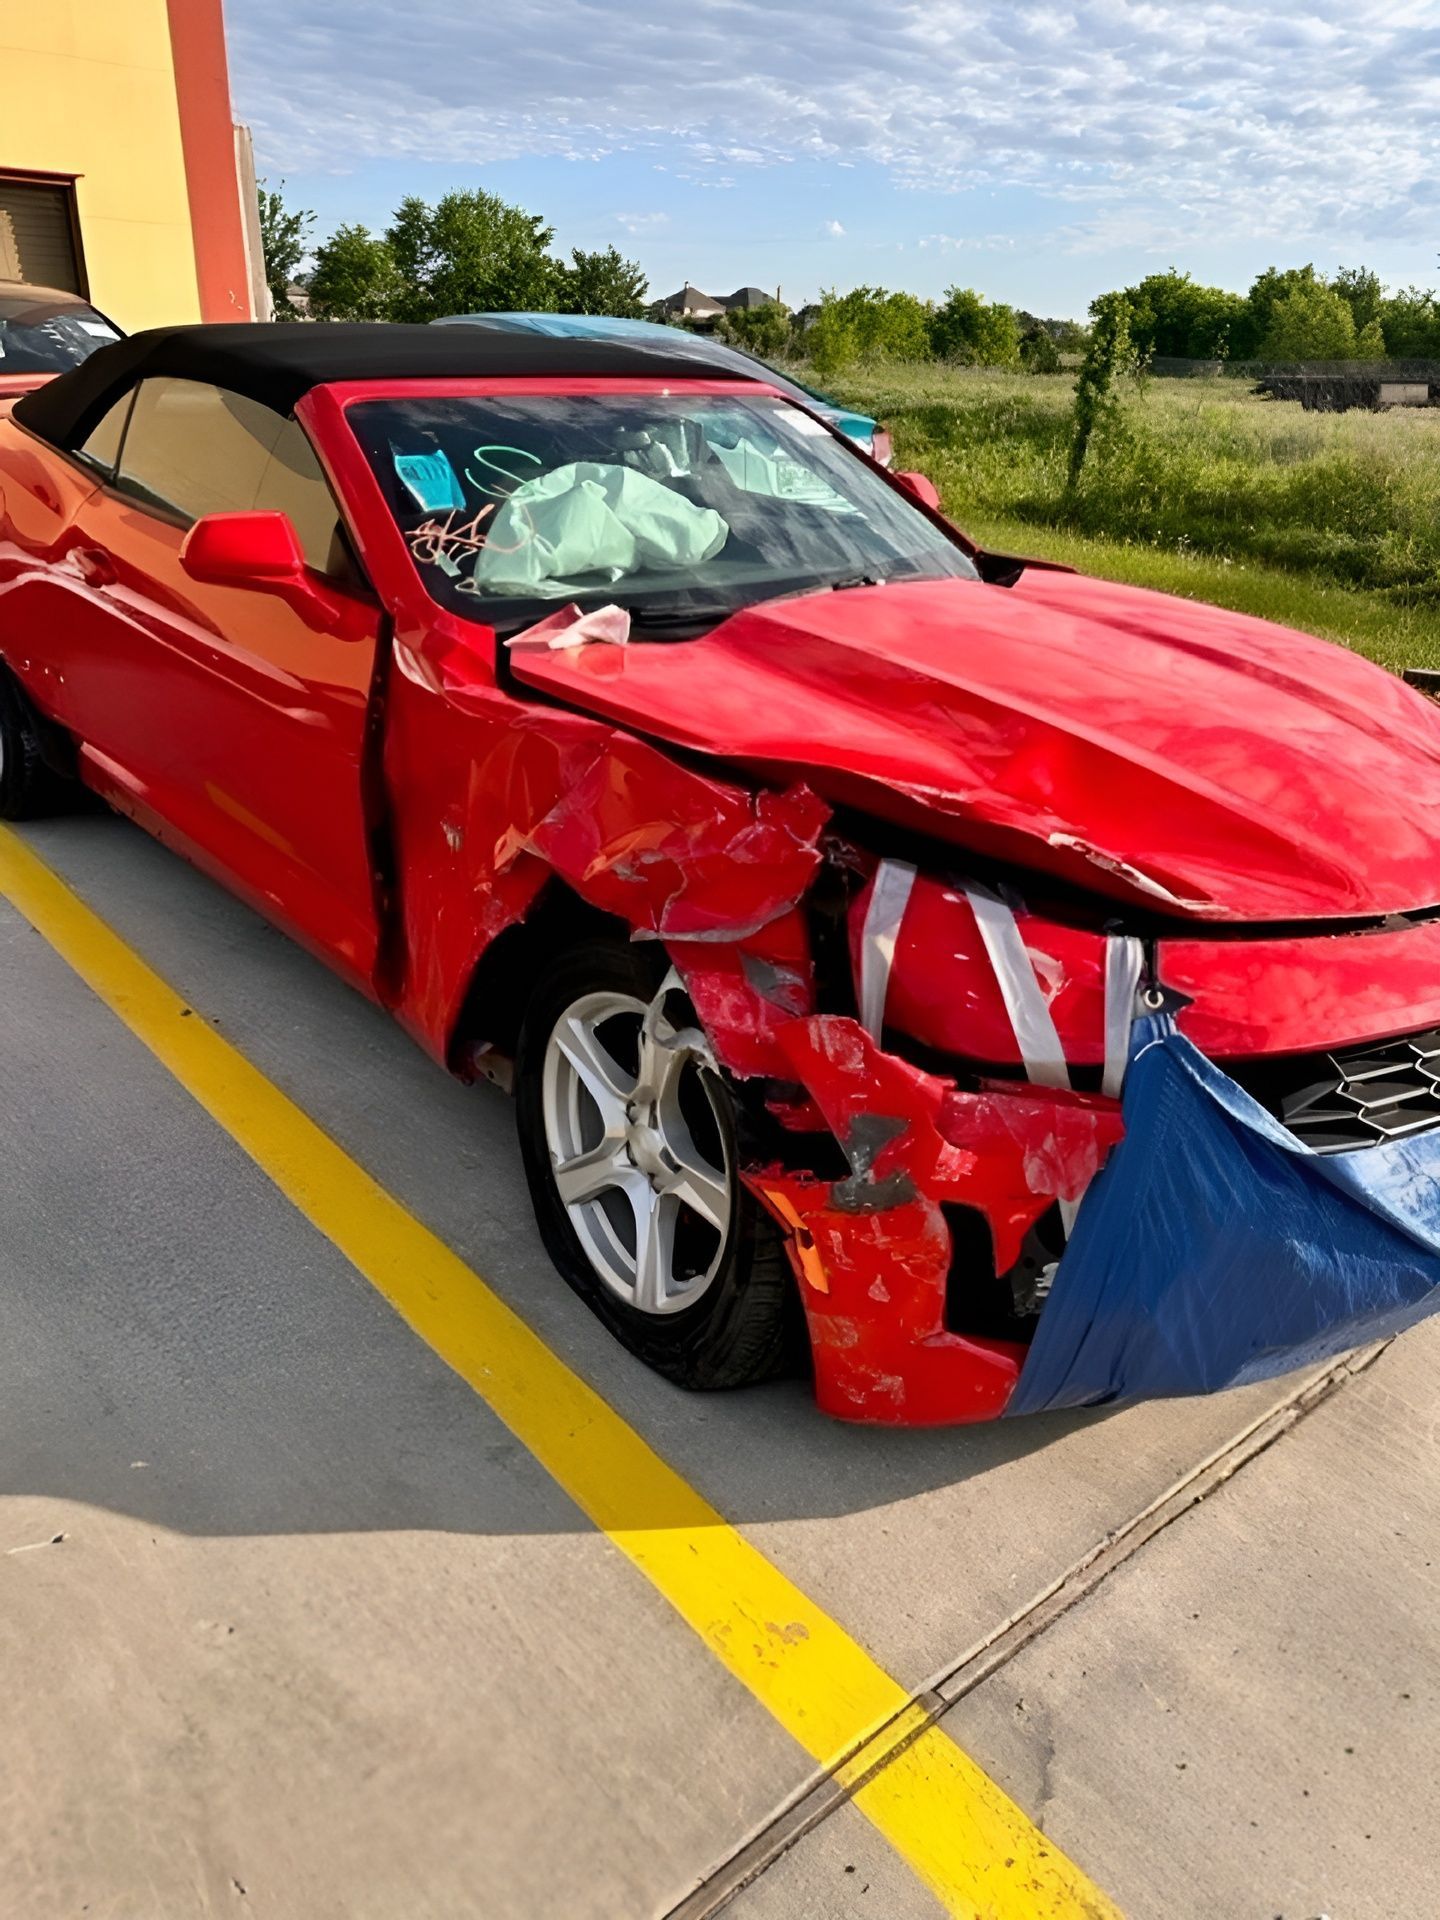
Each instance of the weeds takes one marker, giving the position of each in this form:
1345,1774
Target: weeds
1195,472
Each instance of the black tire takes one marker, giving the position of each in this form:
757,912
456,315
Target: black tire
29,788
740,1329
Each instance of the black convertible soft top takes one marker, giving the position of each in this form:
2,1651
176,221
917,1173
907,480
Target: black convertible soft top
277,364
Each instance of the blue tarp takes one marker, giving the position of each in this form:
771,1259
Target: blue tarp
1214,1248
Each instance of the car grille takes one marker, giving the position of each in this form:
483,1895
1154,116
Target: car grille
1354,1096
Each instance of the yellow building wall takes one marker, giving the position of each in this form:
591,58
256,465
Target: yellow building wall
88,87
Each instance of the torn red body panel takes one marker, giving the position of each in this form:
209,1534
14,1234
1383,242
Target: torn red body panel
495,808
877,1334
674,854
957,1006
872,1250
747,992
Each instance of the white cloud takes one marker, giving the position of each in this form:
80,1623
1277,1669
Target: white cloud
832,230
642,223
1210,117
966,242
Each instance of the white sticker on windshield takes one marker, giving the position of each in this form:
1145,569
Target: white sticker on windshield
802,423
98,328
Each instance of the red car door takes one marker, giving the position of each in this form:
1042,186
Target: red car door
223,717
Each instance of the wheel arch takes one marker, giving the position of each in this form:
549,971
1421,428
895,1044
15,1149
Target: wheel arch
486,1030
55,745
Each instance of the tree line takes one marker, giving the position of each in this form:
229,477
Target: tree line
1292,313
472,252
1288,314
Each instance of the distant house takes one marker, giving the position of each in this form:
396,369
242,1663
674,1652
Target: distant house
691,305
751,297
693,308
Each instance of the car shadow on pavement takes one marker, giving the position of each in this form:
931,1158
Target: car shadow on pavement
173,1385
162,1303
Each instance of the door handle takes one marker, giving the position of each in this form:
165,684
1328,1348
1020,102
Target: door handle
94,566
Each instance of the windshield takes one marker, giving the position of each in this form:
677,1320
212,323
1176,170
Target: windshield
42,336
680,507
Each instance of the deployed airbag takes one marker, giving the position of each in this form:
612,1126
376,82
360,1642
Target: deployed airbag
590,520
775,475
1214,1248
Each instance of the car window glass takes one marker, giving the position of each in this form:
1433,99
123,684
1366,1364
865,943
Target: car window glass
194,449
37,336
293,483
101,446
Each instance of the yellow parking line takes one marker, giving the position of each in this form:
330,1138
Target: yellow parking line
970,1844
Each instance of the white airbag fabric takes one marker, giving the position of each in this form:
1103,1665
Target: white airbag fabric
591,519
776,476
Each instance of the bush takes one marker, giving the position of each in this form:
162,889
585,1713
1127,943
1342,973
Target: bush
1108,357
1311,323
867,324
1410,320
471,253
1175,317
284,239
967,328
355,277
763,331
602,283
1038,351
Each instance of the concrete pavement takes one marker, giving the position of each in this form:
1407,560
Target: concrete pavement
318,1628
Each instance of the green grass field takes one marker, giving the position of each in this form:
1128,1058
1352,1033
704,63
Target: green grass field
1328,522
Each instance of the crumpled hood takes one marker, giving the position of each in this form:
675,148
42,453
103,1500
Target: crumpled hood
1151,748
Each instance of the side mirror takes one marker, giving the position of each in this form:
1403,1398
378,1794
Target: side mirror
920,487
255,549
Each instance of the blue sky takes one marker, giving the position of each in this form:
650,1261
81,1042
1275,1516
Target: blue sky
1038,152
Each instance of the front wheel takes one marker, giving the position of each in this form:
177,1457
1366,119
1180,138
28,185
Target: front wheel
627,1131
28,787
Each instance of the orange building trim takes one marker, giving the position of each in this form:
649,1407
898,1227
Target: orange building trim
207,134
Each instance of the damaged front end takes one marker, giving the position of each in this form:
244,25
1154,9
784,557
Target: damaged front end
928,1072
922,1190
940,1131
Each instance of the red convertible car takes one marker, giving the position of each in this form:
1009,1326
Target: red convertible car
811,874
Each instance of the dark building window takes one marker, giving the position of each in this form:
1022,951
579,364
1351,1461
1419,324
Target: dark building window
38,242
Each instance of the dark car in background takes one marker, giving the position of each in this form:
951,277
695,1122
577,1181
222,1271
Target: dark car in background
44,331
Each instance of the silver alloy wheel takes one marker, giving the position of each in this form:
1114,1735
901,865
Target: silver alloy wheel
639,1147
